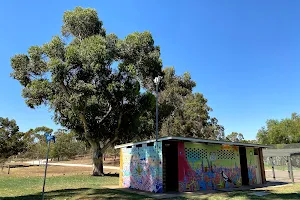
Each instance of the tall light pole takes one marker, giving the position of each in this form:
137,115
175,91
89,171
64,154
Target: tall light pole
156,81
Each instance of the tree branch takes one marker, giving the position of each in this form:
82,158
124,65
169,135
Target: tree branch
107,113
65,89
81,114
109,143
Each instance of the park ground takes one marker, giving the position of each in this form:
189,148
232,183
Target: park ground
76,183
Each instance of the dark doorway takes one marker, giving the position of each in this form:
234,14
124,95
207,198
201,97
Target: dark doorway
244,167
170,151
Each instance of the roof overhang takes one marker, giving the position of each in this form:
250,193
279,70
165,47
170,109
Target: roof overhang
194,140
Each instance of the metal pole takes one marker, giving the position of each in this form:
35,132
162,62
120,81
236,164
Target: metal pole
45,170
157,111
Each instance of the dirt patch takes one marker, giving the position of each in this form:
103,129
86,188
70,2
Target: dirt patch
281,175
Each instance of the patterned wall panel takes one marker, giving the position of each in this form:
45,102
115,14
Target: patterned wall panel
251,165
207,167
121,167
141,167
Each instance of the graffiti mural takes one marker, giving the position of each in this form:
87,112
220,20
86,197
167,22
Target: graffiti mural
251,163
207,167
141,167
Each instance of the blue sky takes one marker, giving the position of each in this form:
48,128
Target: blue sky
244,55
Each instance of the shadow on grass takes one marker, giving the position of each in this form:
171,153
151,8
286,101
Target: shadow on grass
112,175
108,174
80,193
103,193
247,195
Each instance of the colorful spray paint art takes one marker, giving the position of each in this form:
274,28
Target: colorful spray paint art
207,167
141,167
251,165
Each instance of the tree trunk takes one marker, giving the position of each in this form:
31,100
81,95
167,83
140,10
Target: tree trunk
97,160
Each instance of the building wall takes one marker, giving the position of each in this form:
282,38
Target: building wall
141,167
251,162
207,167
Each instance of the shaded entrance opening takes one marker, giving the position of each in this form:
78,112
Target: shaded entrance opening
244,167
170,162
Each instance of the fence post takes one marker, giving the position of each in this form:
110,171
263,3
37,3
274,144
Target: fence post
291,169
273,170
288,166
8,169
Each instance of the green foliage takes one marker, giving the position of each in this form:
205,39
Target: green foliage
11,139
77,80
83,90
184,113
36,145
249,141
82,23
66,146
285,131
235,137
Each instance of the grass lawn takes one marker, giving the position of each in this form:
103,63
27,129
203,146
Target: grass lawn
27,184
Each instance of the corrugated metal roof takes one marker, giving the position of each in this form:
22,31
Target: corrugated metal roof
195,140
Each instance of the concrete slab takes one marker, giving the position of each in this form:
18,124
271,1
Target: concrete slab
253,187
169,195
144,193
282,175
260,194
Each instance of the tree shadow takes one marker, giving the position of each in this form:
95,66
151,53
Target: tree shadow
112,175
247,195
80,193
103,193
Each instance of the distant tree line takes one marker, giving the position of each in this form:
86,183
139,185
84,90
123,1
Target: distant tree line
67,146
284,131
11,139
32,144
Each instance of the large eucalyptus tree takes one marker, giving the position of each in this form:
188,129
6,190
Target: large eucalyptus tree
93,82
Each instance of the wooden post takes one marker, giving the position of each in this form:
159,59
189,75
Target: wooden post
291,169
8,169
273,170
262,167
287,162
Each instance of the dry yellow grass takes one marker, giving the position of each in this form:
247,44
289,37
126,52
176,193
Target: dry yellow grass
36,171
88,161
